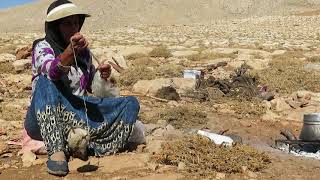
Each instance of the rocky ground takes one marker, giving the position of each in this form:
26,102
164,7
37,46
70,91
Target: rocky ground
260,76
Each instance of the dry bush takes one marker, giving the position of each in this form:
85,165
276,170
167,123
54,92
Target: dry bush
135,56
314,59
183,117
144,61
245,108
286,75
194,57
212,55
169,71
145,69
133,75
204,158
160,51
6,67
257,56
10,114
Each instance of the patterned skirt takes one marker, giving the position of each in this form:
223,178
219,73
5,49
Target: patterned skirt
54,111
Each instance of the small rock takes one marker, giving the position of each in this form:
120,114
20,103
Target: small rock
267,96
23,52
279,104
3,148
153,166
158,132
21,65
6,155
173,103
162,122
141,148
220,176
87,174
244,169
252,174
181,166
39,161
7,57
28,158
119,178
5,166
278,52
1,99
154,146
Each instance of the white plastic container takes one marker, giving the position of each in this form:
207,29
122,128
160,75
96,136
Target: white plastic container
216,138
194,74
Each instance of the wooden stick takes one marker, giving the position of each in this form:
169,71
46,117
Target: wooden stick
149,96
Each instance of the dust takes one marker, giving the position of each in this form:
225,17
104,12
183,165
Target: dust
204,158
183,116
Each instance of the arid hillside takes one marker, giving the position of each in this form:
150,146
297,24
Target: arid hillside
115,13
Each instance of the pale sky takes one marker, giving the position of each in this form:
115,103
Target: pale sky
9,3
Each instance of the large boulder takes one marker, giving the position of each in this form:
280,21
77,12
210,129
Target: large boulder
152,87
184,53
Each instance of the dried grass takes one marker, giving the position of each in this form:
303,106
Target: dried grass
160,51
287,75
133,75
183,116
11,49
145,69
10,114
204,158
169,71
6,67
246,108
212,55
135,56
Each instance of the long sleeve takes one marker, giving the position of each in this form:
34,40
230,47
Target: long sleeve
92,72
45,62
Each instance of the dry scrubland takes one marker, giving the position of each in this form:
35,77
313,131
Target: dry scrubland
261,74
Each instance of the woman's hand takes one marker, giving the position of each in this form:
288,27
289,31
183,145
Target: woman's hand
105,71
78,42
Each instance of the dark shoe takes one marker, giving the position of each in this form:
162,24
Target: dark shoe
58,168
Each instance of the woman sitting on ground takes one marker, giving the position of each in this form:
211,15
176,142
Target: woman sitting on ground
62,74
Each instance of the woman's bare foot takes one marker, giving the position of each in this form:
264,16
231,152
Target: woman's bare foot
58,156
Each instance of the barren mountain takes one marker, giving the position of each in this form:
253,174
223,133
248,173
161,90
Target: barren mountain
115,13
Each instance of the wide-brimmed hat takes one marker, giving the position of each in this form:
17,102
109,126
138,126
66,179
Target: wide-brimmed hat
63,8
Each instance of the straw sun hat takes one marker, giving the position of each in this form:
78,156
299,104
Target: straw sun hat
62,8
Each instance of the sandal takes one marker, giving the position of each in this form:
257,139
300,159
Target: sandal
58,168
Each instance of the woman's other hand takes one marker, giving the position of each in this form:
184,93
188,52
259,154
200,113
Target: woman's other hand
78,44
105,71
